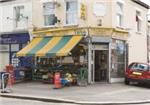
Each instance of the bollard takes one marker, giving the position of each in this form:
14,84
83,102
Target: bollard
3,83
57,82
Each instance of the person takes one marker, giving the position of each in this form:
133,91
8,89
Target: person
103,70
67,80
68,77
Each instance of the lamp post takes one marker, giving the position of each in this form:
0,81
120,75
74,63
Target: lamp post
89,41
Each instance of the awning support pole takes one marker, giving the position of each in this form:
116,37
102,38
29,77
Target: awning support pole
89,59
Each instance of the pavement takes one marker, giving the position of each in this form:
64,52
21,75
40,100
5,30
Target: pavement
95,94
12,101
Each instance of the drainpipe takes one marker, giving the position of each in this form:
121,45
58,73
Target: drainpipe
147,34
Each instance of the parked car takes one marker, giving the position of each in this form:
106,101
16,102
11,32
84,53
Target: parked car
137,72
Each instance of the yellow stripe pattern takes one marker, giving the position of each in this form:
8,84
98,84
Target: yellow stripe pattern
52,43
69,46
29,47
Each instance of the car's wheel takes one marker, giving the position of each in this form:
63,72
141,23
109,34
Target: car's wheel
127,82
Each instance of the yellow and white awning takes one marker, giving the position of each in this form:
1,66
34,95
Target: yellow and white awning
50,46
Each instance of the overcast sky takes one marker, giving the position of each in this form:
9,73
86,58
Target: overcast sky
147,2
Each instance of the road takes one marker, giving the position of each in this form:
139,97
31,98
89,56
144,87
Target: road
138,104
12,101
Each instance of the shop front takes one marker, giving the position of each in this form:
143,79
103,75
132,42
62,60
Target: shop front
108,59
101,52
10,44
108,55
64,54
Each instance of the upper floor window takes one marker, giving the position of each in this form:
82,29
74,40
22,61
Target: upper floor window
119,14
71,12
138,21
49,13
18,14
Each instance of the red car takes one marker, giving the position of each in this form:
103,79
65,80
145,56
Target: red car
137,72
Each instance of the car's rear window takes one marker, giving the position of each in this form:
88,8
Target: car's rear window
138,66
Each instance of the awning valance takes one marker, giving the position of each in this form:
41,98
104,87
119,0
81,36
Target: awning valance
50,46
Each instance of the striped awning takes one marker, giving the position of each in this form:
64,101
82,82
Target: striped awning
50,46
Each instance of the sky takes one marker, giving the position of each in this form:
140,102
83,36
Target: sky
147,2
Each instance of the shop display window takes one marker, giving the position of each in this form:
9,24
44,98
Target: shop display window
117,58
46,67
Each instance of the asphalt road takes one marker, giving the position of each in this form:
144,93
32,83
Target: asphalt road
12,101
138,104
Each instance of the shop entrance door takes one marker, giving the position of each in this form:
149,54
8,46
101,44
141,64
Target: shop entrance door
101,65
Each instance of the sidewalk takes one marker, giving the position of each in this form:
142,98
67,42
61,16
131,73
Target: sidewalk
101,93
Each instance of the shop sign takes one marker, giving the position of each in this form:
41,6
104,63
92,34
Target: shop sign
83,12
14,38
101,47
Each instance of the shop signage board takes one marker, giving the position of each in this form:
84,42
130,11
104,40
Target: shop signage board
83,12
14,38
101,47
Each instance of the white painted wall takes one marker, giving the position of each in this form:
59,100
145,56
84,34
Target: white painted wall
0,33
0,18
137,41
4,60
8,25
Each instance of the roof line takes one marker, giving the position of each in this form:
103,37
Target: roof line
142,3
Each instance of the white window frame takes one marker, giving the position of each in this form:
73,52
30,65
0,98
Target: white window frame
44,14
16,21
44,1
121,1
77,11
119,21
139,22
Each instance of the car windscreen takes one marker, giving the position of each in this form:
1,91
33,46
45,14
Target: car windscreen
139,67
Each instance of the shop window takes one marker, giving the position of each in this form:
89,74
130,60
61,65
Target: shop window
4,48
71,12
49,13
138,21
46,67
119,16
118,59
14,60
14,47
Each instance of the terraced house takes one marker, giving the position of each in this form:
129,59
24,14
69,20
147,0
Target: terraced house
102,35
15,21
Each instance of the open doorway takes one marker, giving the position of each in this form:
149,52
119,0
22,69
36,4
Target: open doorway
101,65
